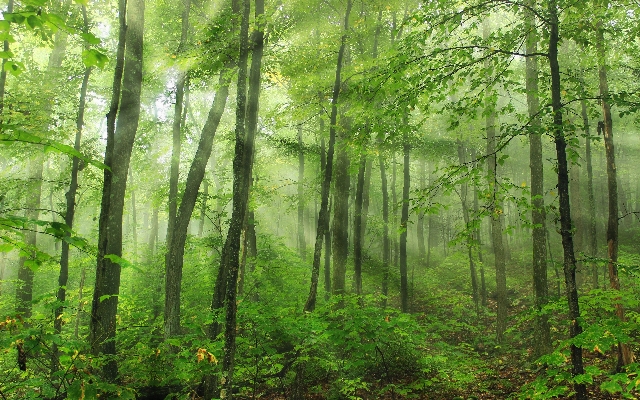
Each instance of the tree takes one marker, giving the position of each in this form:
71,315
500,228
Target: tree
323,215
172,274
625,356
569,264
542,334
120,139
71,202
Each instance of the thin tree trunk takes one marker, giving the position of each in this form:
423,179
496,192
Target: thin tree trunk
70,211
173,258
422,252
394,211
119,146
592,234
496,220
231,248
325,229
386,245
323,217
302,244
625,356
242,166
465,215
483,283
404,219
203,208
357,225
564,205
177,128
541,332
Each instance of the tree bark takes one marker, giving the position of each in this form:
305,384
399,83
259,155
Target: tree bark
541,331
478,239
625,356
178,223
175,255
591,220
119,146
242,167
63,277
563,192
358,233
340,234
422,251
302,244
496,218
386,245
404,218
465,215
323,215
174,172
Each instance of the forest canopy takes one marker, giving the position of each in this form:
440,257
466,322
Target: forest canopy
339,199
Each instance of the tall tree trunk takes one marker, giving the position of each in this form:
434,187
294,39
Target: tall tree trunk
203,207
625,356
220,290
175,255
242,167
134,218
24,290
325,229
496,218
302,244
358,233
404,218
483,283
592,234
340,234
465,215
386,245
422,252
63,277
394,211
119,146
323,215
541,331
174,171
175,235
564,206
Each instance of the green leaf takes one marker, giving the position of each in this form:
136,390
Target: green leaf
106,296
19,135
34,22
82,2
32,265
5,26
94,58
122,262
90,38
14,17
6,247
14,68
6,54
